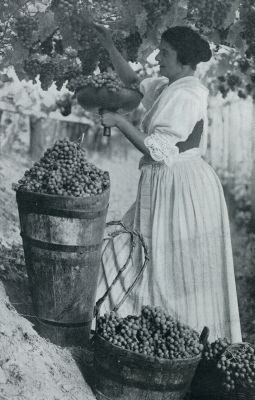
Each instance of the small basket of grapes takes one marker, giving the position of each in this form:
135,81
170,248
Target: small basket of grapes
237,367
226,372
105,91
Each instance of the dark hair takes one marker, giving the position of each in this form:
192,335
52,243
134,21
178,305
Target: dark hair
191,48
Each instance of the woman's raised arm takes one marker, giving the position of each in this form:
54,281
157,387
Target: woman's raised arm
122,67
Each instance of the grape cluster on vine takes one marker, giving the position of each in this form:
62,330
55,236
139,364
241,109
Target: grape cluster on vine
25,26
155,9
64,103
52,44
32,67
89,59
105,12
64,170
248,33
132,43
154,333
64,7
233,82
47,73
66,68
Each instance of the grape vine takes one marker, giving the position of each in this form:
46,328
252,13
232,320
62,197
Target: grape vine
49,40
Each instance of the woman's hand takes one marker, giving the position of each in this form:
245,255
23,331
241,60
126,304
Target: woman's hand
110,119
104,35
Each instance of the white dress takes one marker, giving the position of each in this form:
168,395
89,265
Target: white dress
181,212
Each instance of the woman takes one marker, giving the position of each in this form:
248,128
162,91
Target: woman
180,207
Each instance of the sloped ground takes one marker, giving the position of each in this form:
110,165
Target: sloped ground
32,368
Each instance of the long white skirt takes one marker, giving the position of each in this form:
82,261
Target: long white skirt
182,215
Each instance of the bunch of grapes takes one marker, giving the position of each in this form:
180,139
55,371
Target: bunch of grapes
237,367
248,34
25,26
64,170
32,67
66,68
244,65
233,81
155,8
64,8
89,58
132,44
87,43
109,80
243,86
52,44
47,73
104,11
64,104
153,333
213,351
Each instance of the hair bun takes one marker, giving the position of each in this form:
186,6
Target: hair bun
204,51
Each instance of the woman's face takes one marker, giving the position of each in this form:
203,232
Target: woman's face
167,58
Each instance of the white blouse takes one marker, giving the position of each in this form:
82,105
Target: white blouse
172,113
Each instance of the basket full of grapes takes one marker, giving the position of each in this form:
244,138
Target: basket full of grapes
105,91
226,372
150,356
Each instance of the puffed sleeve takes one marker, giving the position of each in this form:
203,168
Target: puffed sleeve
173,122
150,87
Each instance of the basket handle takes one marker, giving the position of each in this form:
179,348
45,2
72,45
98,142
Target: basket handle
133,234
204,335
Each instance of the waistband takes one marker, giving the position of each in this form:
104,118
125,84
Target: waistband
184,156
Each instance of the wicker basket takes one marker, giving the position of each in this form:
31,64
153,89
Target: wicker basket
124,375
208,382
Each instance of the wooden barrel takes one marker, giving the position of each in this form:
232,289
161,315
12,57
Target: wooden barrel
124,375
62,240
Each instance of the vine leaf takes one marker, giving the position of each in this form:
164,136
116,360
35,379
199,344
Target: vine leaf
67,34
214,36
18,55
146,48
46,24
178,13
141,22
234,36
231,16
132,9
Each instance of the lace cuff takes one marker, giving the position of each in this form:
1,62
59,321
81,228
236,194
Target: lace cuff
161,148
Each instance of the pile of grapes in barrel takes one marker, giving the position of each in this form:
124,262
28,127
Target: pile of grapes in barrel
64,170
154,333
